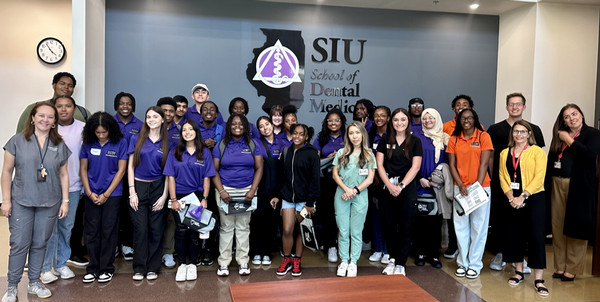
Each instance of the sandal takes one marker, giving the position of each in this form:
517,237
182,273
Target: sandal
557,275
564,278
541,290
514,281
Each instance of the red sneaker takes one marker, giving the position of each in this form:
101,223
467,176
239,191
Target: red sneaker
297,269
286,265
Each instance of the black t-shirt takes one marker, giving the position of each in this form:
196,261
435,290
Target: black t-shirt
398,164
511,172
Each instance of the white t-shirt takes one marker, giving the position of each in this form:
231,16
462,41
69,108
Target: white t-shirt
71,134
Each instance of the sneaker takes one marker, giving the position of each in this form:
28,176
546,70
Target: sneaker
181,273
435,262
78,260
207,259
399,270
385,259
256,260
192,273
332,255
47,277
223,271
420,260
451,252
342,268
526,269
460,272
105,277
244,270
376,256
389,269
296,267
138,277
151,276
89,278
266,260
497,264
127,252
168,261
351,272
10,295
472,274
64,272
366,246
39,289
286,266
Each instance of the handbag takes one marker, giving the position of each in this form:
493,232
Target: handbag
199,225
239,204
427,205
309,237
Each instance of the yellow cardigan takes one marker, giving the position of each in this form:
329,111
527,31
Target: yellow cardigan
533,170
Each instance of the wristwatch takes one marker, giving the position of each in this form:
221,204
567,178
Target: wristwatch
525,196
401,186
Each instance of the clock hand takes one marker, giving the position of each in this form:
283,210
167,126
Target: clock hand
50,48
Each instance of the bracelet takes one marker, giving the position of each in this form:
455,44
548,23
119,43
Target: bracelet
221,191
173,199
65,200
205,197
135,194
131,186
357,190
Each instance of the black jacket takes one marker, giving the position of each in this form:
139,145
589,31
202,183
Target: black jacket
300,175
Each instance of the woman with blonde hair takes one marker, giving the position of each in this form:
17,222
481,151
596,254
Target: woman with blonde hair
353,171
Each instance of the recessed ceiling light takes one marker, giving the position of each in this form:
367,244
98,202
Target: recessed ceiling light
474,6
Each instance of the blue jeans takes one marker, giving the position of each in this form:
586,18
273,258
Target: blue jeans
58,248
471,234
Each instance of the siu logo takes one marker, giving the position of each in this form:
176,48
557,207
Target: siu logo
277,66
239,206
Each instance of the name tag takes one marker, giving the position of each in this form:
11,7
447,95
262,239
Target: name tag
363,172
514,185
375,146
557,165
475,144
95,151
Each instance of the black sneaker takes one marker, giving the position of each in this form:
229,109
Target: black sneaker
451,252
207,259
435,262
420,260
78,260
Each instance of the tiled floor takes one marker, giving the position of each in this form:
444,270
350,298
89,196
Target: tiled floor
442,284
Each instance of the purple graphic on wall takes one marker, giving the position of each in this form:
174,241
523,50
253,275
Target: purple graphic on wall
277,66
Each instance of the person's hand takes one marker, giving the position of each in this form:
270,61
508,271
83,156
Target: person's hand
274,202
133,202
225,197
394,190
249,195
204,203
364,121
101,199
463,190
210,143
518,202
64,210
93,197
176,205
310,210
159,204
349,193
331,155
6,208
424,183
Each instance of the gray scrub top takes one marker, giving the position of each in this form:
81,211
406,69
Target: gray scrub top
26,190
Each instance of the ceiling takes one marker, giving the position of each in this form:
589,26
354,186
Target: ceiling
486,7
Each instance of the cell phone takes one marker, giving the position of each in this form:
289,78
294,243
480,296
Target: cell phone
304,212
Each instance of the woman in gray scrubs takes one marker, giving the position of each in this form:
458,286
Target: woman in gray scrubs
32,199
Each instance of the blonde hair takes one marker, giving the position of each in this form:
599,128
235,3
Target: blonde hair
366,155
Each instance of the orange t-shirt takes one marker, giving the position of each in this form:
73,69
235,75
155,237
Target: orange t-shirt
449,126
468,155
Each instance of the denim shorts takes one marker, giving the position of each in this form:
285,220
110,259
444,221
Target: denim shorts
291,205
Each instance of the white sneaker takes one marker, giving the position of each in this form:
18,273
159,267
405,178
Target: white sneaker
256,260
192,273
151,276
181,273
376,256
244,270
385,259
10,295
526,269
168,260
64,272
138,277
223,271
266,260
47,277
39,290
351,272
332,255
399,270
497,264
389,269
127,252
342,268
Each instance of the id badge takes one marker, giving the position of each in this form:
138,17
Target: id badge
41,174
557,165
514,185
363,172
95,151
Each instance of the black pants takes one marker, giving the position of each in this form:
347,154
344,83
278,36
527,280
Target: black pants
77,231
498,211
187,242
125,225
148,227
399,215
325,215
526,232
101,229
262,228
427,235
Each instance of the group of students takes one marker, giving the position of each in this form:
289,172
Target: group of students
387,166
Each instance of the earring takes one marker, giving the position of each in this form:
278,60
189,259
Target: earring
32,122
53,126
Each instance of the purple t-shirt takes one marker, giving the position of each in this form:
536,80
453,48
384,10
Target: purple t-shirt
216,132
132,128
284,140
174,135
276,147
194,115
103,164
237,164
190,172
150,159
334,144
254,132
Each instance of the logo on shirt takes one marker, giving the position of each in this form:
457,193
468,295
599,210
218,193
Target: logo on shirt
134,131
199,162
246,150
111,153
277,66
54,149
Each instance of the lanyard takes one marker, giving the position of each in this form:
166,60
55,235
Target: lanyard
516,162
564,145
40,149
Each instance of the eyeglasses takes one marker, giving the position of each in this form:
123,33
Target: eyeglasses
468,118
333,120
515,105
380,116
521,132
416,105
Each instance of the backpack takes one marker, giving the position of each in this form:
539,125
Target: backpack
251,145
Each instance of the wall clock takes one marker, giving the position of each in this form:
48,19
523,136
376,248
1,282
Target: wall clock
51,50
